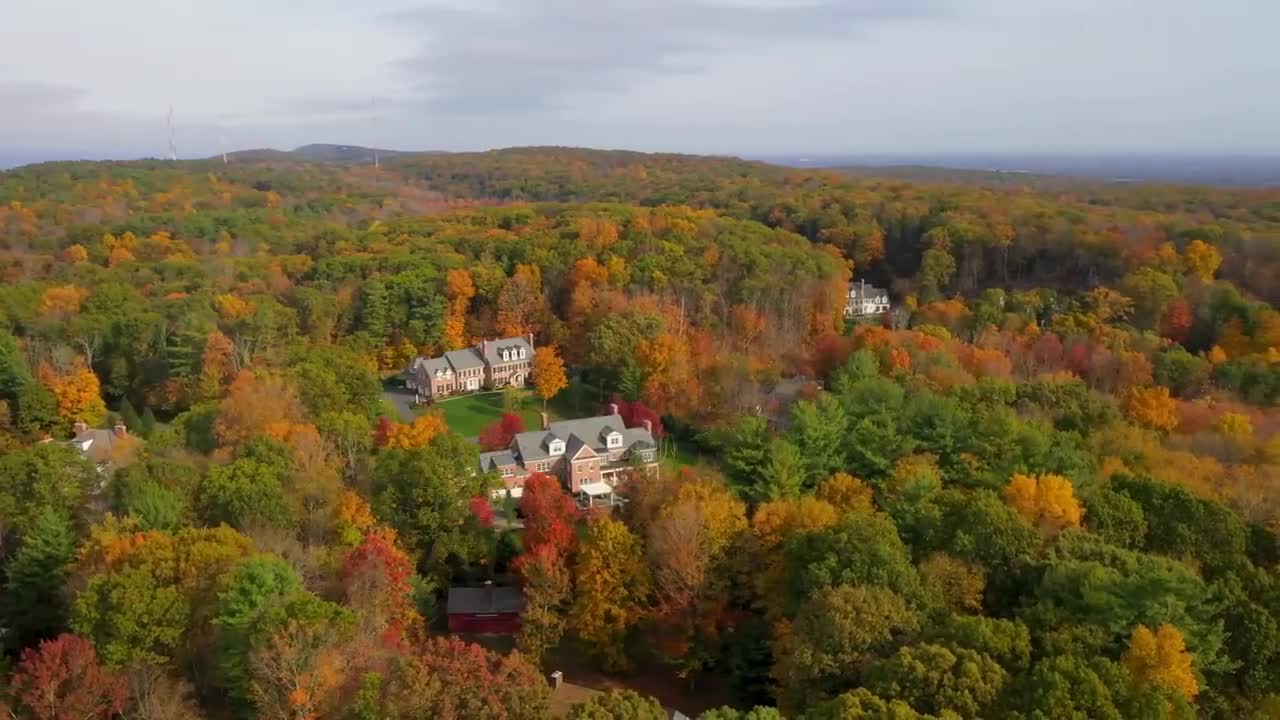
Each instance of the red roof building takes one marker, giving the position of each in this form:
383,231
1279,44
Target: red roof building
485,610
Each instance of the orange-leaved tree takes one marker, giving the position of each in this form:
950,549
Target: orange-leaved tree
1152,407
548,373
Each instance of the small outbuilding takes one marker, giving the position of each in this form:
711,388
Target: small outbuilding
485,610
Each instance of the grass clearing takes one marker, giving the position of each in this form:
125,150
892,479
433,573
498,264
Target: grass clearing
469,415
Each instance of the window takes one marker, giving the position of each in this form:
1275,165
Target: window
614,440
556,447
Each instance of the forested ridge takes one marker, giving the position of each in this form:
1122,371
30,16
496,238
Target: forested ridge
1045,485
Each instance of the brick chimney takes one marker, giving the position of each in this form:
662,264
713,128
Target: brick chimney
80,427
120,430
546,421
530,340
613,408
648,425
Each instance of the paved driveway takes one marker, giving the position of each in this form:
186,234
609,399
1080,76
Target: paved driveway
402,400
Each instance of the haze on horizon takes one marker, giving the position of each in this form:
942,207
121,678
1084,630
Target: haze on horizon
80,78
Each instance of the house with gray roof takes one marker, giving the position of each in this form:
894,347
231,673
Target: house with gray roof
590,456
491,364
865,300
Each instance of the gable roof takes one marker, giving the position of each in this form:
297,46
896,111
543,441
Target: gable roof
577,446
490,599
582,432
467,359
492,349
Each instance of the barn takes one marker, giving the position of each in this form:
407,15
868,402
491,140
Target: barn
487,610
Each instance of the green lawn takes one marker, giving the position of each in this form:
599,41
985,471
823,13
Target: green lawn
469,415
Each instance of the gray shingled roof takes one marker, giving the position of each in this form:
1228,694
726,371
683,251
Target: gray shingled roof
485,600
467,359
493,349
430,365
497,458
532,446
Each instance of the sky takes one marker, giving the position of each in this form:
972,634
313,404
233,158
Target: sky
87,78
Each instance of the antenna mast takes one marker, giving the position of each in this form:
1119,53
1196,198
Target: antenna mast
173,148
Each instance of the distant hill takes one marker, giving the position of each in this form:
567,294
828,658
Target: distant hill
321,153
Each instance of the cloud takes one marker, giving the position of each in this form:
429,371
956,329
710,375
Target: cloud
520,56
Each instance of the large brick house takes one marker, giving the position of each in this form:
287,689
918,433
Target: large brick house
490,364
589,455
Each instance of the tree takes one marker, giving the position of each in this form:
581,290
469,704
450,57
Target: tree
934,679
857,550
298,660
254,404
783,476
498,436
819,429
862,704
548,373
78,394
61,679
131,617
744,452
1161,659
44,478
758,712
154,694
847,494
243,493
33,604
611,589
550,515
1008,642
454,680
958,582
617,705
1202,260
1151,407
256,584
418,433
377,579
1048,501
147,423
424,493
835,635
546,583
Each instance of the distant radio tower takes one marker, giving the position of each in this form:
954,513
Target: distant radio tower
173,148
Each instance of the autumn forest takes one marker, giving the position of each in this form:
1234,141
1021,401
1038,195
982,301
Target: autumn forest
1045,484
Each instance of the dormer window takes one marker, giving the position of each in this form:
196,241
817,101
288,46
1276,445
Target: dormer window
521,353
448,371
506,354
614,440
555,447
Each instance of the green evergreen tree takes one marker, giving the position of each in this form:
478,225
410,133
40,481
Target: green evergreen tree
147,424
129,416
32,605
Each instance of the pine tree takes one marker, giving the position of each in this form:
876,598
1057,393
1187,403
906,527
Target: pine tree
147,425
32,604
129,416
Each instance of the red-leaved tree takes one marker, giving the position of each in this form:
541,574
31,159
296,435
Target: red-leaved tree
549,515
376,577
635,413
482,511
498,435
61,678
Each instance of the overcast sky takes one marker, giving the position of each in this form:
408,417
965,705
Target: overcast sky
96,78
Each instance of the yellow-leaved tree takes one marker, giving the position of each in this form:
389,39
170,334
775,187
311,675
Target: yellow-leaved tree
78,392
1048,501
1202,259
1160,658
612,589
